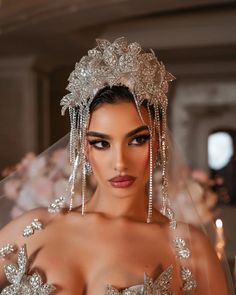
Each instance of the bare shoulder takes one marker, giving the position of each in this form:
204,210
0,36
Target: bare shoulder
203,260
198,242
191,232
12,232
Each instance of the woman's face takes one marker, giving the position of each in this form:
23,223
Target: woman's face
118,148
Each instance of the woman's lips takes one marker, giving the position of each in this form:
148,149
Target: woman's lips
122,181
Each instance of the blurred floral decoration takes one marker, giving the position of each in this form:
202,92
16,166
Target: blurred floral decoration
39,180
191,195
197,197
36,181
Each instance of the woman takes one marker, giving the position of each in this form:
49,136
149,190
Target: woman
116,242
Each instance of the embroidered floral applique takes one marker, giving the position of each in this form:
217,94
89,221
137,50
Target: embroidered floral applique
182,250
160,286
29,229
57,205
189,283
6,250
21,283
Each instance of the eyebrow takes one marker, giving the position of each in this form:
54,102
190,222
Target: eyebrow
129,134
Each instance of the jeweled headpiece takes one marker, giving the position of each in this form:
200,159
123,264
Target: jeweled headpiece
109,64
118,63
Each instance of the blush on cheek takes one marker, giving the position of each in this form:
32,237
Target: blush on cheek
141,162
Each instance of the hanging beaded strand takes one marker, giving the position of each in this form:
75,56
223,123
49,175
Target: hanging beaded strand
150,187
137,107
158,125
73,157
73,134
83,191
134,69
164,159
85,119
72,182
150,191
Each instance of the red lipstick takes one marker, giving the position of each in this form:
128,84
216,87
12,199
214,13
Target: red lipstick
122,181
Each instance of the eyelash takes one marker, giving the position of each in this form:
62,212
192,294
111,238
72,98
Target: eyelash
144,138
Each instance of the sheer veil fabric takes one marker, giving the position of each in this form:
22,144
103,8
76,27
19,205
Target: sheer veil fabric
20,192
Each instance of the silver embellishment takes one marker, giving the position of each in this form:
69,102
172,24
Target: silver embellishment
117,63
21,283
181,248
130,291
189,283
6,250
29,229
88,168
114,64
57,205
169,213
160,286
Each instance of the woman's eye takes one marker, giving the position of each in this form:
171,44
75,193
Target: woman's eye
99,144
140,139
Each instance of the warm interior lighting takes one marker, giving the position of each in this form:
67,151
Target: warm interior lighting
219,223
220,150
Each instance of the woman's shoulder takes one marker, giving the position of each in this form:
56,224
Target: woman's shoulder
17,246
24,225
196,240
202,252
196,236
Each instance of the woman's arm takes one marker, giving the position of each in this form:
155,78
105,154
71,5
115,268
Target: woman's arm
209,275
12,234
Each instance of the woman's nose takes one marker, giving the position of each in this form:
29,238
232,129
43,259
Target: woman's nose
120,164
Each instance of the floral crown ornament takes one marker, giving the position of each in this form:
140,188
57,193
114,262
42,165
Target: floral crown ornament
108,64
118,63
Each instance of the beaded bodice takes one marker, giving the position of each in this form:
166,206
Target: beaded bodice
159,286
21,282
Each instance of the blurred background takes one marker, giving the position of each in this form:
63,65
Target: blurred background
41,40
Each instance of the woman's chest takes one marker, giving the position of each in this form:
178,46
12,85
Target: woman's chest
70,277
83,258
86,265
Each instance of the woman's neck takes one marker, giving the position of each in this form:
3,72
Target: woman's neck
130,206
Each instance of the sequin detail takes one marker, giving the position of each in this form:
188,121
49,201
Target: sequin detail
6,250
189,283
160,286
29,229
135,290
169,213
109,64
114,64
182,250
21,283
57,205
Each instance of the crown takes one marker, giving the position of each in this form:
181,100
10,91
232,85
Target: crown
118,63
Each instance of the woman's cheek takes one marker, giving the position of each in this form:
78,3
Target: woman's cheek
141,158
99,162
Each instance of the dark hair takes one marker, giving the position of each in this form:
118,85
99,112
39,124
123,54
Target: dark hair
111,95
115,94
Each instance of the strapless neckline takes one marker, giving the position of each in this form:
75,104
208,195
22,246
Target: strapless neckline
160,285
